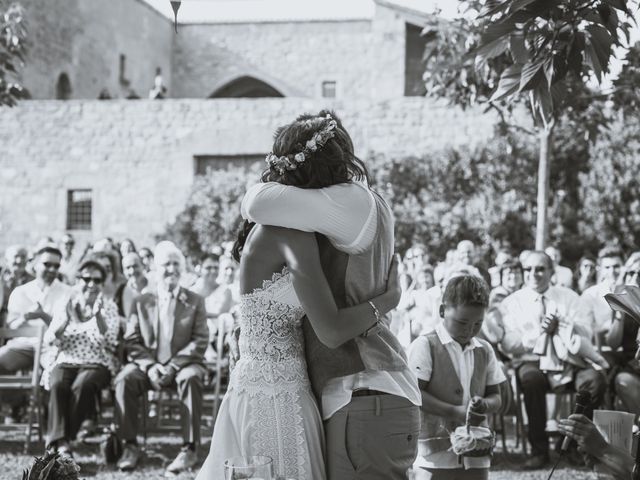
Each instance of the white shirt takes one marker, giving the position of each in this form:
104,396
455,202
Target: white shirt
521,320
595,312
463,360
24,298
347,215
344,213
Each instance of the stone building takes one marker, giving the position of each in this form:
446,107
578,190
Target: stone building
124,167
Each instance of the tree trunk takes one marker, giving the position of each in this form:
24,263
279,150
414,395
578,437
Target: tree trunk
544,161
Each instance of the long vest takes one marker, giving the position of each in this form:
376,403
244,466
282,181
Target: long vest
446,387
355,279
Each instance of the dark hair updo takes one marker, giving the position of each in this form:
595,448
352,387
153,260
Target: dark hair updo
332,163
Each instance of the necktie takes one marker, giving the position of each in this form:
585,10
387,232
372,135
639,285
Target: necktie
166,322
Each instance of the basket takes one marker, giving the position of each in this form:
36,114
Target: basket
472,440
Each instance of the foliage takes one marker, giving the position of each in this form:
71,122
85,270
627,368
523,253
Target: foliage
626,94
52,466
212,213
13,33
610,190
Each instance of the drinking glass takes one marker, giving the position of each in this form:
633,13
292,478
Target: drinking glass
243,468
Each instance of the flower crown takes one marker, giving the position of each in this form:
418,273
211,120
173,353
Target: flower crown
291,161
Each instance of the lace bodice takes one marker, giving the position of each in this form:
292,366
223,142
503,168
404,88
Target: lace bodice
271,341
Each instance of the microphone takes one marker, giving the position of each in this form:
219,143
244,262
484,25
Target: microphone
583,400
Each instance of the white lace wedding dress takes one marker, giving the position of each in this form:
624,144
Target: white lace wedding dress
269,408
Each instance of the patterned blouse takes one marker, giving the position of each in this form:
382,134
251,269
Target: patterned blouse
82,343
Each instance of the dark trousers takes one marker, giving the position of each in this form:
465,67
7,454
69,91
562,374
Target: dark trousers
132,382
535,386
72,398
372,438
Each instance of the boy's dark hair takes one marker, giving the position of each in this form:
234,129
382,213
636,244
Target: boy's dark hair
466,290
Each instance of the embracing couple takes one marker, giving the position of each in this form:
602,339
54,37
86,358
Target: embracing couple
322,385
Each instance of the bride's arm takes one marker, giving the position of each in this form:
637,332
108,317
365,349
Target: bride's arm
333,326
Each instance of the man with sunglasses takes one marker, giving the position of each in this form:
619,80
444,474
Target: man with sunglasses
537,311
31,304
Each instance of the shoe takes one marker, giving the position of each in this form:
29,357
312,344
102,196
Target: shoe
87,429
186,460
130,457
536,462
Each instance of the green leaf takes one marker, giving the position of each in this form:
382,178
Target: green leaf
528,75
509,82
520,4
493,7
492,49
592,60
620,5
600,42
549,70
543,103
518,49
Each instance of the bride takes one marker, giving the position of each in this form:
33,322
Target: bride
269,408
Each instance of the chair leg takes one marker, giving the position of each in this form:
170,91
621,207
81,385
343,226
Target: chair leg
39,415
145,412
30,408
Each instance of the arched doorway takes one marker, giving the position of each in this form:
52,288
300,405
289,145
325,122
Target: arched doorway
63,87
246,87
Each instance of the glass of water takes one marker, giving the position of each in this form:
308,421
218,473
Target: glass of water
243,468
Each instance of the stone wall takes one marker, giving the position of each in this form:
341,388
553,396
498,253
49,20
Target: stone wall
85,38
295,58
138,156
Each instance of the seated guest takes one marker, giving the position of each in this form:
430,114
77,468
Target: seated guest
113,284
166,338
146,255
624,332
562,276
80,356
136,284
531,318
69,263
585,275
503,256
127,246
510,276
594,310
13,275
591,443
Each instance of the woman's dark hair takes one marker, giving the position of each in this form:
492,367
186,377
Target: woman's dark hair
210,256
92,263
113,262
333,163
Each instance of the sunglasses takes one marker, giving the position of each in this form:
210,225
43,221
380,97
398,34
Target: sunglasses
536,270
632,273
95,280
51,265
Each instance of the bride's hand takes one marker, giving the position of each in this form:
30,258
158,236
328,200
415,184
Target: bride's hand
234,349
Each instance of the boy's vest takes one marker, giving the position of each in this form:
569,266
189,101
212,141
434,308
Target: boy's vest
446,387
355,279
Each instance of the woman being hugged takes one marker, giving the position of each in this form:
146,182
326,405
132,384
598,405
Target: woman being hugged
269,408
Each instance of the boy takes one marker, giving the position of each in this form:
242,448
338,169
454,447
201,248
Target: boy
455,370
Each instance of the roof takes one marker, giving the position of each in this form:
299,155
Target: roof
264,11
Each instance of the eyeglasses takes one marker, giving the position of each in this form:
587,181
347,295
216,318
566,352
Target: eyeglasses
51,265
95,280
536,269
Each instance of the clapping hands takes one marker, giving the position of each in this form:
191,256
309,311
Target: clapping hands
550,324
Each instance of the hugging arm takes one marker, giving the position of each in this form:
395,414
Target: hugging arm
333,326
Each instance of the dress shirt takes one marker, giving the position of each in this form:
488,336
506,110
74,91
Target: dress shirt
521,318
594,309
344,213
463,360
25,297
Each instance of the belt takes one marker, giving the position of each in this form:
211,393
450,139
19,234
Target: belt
365,392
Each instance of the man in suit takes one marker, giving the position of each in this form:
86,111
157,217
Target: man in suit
165,339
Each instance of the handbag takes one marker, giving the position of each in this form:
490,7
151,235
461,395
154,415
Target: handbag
111,445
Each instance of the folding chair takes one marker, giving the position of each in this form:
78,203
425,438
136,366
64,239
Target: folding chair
26,382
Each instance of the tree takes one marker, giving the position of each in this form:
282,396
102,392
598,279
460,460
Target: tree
13,34
546,49
610,190
212,213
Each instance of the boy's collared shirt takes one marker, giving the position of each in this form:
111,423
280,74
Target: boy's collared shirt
463,360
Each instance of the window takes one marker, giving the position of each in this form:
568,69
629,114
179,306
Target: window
122,69
413,62
329,89
79,210
220,162
63,87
